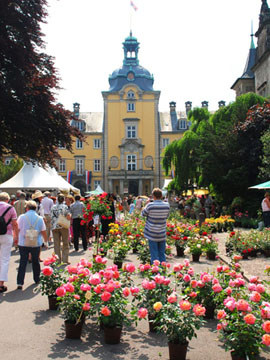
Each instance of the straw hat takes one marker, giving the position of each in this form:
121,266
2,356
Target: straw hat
37,194
64,192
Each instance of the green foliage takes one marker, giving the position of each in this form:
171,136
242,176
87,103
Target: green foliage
265,168
8,171
221,151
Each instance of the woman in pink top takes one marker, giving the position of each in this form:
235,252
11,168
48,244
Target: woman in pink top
6,240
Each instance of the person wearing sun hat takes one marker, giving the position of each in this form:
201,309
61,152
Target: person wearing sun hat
37,197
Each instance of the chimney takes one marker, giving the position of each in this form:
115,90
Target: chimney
173,115
172,106
205,104
221,103
76,109
188,106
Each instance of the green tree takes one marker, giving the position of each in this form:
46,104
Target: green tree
265,168
8,171
214,153
32,124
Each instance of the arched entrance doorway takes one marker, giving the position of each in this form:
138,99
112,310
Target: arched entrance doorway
133,187
80,185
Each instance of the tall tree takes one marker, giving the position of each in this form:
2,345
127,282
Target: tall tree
32,125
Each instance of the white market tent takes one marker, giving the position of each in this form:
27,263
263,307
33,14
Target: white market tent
34,177
97,191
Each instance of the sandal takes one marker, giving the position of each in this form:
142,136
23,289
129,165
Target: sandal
3,288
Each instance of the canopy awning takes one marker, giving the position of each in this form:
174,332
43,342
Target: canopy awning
265,185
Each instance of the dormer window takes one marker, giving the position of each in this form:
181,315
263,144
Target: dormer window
131,95
80,125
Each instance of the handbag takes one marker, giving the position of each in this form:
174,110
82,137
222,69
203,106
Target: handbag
31,235
63,221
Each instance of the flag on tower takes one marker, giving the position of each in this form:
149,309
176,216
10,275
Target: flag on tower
133,5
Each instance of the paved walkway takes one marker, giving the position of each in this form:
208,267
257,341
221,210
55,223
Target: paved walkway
30,331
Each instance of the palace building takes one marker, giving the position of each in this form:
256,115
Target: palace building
256,75
123,148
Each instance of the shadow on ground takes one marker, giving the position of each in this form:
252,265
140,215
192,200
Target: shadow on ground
134,344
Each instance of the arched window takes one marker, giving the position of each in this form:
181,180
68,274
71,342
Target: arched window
131,95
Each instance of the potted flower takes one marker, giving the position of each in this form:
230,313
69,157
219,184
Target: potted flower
154,287
179,321
211,247
241,328
195,247
109,297
118,251
143,252
74,298
51,278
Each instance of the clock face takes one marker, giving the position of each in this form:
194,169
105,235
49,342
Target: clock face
130,76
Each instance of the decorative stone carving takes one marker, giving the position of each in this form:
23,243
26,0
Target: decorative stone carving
148,161
114,162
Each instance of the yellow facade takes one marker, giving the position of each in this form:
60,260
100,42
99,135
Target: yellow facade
124,145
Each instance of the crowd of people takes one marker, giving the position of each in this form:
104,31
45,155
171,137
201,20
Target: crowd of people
39,220
192,206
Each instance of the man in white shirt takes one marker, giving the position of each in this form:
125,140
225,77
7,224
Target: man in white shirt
47,204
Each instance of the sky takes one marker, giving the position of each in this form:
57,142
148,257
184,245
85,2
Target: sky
195,49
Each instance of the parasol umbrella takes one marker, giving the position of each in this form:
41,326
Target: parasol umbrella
265,185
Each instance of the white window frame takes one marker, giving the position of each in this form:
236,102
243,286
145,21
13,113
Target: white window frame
62,165
183,122
97,143
79,166
97,165
96,183
131,94
165,142
131,131
131,162
79,125
79,144
131,107
60,147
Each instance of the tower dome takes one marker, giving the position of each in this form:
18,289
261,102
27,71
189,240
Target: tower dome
131,71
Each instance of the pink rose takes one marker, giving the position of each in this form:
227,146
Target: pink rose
69,287
172,298
221,314
250,319
199,310
142,313
126,292
255,296
217,288
130,267
47,271
61,291
106,296
86,307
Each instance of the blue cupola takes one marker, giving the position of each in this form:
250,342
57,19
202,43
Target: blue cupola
131,71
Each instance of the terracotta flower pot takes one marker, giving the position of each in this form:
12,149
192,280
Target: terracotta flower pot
53,305
112,335
177,351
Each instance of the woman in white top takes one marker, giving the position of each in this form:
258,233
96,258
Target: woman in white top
266,209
